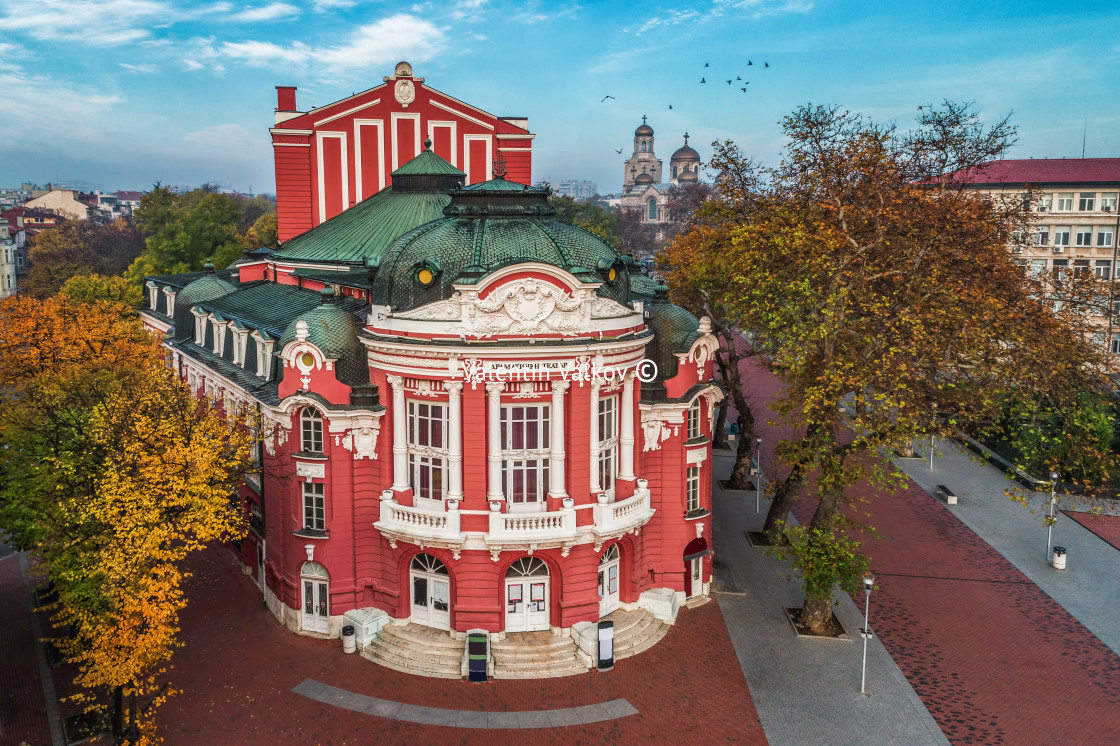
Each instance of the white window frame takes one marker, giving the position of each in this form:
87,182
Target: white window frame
1042,235
692,488
1062,235
314,506
520,457
240,340
170,294
1083,235
1102,268
219,335
311,430
1065,202
1086,201
199,327
608,443
693,419
1104,235
264,355
153,290
1108,201
426,457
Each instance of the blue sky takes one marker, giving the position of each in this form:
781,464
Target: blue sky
122,93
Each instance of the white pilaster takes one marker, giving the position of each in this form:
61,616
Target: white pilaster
626,431
455,439
494,438
400,434
556,486
595,437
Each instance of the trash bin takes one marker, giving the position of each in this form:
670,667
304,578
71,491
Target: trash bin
349,642
1059,560
606,646
478,655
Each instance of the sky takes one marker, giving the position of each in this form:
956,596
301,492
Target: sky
124,93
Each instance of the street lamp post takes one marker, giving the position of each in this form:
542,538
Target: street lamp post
757,472
1053,501
865,631
931,439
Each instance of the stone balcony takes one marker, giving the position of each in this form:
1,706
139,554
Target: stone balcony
618,518
536,530
419,526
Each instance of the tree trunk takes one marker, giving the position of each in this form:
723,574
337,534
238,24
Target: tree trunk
816,613
719,432
785,495
116,716
907,449
740,478
729,368
132,735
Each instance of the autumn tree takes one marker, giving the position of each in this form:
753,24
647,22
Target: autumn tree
93,288
881,294
79,247
113,472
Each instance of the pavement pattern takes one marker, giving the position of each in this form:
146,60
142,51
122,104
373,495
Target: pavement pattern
22,708
1105,527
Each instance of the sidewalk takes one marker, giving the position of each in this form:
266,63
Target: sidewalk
22,711
1089,587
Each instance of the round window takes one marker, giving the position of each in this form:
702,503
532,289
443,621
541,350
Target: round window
425,276
612,275
307,359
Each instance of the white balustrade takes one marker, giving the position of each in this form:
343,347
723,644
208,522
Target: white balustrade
532,527
624,515
416,523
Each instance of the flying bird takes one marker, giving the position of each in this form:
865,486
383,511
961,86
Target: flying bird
705,64
737,78
703,81
744,90
749,63
766,64
729,82
605,98
670,106
619,151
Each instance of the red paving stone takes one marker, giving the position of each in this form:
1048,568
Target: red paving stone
993,658
22,711
1107,527
238,666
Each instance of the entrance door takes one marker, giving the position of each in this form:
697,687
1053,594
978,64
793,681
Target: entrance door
608,581
431,592
316,598
526,596
695,577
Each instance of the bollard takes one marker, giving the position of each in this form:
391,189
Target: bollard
1059,560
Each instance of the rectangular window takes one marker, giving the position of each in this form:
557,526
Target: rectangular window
1081,268
1065,201
694,420
1108,201
1042,235
525,430
1038,267
608,442
1103,269
1044,202
1104,237
427,449
314,510
1061,235
1086,201
1060,266
1084,235
1116,345
692,488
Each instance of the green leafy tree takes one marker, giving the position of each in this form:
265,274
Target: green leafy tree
79,247
182,232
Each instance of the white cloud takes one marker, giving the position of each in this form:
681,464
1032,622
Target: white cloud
139,69
672,17
383,42
40,109
322,6
226,137
762,8
270,12
106,23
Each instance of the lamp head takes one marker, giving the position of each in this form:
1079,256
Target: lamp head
868,583
1053,476
758,441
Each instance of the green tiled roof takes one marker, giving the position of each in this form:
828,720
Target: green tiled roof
674,330
500,185
270,306
643,286
354,279
366,229
333,329
427,163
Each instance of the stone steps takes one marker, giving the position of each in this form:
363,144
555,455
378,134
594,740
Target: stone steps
635,632
535,655
417,650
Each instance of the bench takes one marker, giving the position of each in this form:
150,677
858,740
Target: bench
949,496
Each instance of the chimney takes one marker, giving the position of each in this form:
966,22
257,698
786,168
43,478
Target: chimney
286,98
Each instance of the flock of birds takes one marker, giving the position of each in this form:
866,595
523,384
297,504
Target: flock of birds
704,81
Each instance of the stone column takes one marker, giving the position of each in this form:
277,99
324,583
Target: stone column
494,441
455,439
556,486
626,430
595,437
400,434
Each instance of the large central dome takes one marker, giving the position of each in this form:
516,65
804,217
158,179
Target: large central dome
486,227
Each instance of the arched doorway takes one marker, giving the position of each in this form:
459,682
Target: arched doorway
527,595
431,592
316,598
608,581
694,555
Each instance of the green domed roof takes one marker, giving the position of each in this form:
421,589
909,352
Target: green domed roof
205,288
334,330
674,330
485,227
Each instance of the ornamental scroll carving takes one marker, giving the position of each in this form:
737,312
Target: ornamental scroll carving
654,432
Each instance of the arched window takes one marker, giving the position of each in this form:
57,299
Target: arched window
311,430
527,567
643,146
694,420
675,171
652,208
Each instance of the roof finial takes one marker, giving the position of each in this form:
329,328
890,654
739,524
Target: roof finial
686,139
643,118
428,143
499,168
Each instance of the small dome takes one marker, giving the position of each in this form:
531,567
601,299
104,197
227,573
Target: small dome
643,178
685,153
674,330
205,288
687,177
644,130
333,329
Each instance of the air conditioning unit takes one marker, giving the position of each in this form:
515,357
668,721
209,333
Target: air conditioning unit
1107,208
1059,249
1042,208
1016,249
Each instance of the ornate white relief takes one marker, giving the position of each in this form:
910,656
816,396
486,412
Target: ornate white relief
413,362
525,390
301,331
444,310
605,308
365,442
696,456
526,307
424,388
654,432
311,470
405,92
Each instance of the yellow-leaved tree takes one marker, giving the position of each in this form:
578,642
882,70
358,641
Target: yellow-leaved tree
113,473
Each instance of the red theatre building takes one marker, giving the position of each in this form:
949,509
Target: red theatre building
333,157
477,416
